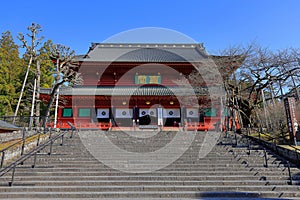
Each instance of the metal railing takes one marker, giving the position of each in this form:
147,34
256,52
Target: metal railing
250,142
34,152
21,141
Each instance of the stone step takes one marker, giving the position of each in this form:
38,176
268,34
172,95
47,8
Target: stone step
192,160
141,183
97,165
148,195
160,173
149,188
169,169
187,154
139,177
186,171
185,158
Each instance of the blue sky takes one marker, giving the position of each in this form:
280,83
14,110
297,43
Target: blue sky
216,23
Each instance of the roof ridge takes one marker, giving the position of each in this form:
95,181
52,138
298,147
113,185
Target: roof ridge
142,45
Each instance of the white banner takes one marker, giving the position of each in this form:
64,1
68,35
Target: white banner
123,113
151,112
143,112
159,116
103,113
192,112
171,113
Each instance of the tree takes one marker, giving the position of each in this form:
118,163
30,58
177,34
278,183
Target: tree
276,116
293,70
10,67
65,72
46,63
44,74
256,72
263,80
39,69
31,54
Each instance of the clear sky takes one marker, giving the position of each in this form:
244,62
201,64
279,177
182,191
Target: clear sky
216,23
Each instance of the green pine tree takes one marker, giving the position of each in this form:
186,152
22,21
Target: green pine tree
47,66
11,68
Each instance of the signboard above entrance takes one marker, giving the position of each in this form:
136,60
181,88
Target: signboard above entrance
147,79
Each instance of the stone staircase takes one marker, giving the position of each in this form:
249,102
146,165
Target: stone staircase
226,172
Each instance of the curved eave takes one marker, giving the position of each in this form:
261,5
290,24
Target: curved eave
130,91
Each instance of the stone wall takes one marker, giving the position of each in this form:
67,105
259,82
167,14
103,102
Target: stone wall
14,152
291,155
4,137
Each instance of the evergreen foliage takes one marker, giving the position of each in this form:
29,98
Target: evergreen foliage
11,68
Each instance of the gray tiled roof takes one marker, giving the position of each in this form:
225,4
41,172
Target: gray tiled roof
6,126
129,90
108,52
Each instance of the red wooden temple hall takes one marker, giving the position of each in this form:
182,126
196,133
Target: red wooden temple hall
143,85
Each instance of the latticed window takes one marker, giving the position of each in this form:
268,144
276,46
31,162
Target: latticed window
210,112
67,112
84,112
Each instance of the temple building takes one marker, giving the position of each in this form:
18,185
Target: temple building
144,86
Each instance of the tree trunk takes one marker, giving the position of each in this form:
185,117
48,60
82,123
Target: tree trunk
295,87
53,93
23,87
38,89
56,108
32,106
51,100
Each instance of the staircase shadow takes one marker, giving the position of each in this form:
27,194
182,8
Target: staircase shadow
295,179
231,195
